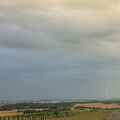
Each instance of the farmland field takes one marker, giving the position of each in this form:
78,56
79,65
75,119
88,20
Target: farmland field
83,115
9,113
102,115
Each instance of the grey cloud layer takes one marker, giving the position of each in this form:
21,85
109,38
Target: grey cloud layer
48,43
88,25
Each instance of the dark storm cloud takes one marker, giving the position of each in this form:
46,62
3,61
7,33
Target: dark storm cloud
44,45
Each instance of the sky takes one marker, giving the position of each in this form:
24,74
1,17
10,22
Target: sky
59,49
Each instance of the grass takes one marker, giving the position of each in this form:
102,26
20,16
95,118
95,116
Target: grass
101,115
83,115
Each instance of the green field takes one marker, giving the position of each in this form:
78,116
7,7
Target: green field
102,115
76,115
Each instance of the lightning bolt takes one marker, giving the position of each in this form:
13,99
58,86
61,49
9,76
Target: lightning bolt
108,89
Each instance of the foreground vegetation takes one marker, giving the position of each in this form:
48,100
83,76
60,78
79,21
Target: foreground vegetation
62,115
53,111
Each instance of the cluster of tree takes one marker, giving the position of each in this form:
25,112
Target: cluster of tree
37,105
44,110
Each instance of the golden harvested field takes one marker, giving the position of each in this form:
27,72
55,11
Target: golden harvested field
98,105
9,113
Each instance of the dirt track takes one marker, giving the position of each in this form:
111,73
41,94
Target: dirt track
116,115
